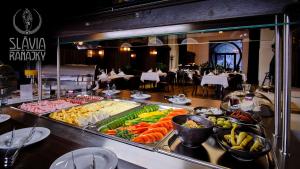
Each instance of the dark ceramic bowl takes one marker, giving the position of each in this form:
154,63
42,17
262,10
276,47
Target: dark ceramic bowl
244,155
192,137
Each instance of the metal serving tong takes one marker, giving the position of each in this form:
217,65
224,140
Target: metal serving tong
9,161
11,140
94,162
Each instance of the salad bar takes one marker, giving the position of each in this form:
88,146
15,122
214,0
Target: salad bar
208,136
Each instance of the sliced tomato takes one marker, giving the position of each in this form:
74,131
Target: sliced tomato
166,124
168,118
181,111
157,135
138,140
161,130
142,124
111,132
139,130
150,137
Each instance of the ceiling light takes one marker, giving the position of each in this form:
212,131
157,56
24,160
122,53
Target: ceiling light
101,52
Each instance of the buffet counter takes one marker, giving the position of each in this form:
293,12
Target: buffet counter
167,153
64,139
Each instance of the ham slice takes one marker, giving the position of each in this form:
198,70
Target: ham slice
46,106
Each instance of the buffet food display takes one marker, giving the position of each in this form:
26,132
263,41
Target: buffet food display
243,117
192,130
83,99
242,141
93,112
175,130
244,146
222,122
46,106
146,125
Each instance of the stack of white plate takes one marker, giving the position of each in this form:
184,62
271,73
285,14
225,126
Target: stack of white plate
140,96
83,158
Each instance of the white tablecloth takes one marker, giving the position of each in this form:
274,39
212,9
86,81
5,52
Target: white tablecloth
215,80
109,78
150,76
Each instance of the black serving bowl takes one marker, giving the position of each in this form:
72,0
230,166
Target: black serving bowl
192,137
244,155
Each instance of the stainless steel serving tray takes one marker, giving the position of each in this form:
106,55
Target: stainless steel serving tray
17,106
119,114
151,147
93,129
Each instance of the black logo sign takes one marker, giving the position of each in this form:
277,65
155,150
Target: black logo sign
27,21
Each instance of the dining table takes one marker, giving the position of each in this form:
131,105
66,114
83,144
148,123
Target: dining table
116,76
152,76
211,79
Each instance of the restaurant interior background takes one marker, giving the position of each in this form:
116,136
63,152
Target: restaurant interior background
101,36
253,46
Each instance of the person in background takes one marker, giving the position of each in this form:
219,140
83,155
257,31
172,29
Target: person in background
96,73
272,65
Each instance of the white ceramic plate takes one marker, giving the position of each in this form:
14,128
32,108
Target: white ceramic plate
4,117
104,159
143,96
39,134
111,92
177,101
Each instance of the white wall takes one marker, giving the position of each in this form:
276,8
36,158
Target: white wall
267,37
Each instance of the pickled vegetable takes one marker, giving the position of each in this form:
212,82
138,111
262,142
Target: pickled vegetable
227,138
232,136
256,146
246,140
237,148
242,141
241,137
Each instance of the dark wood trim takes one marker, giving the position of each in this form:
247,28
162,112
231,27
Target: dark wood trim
200,11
